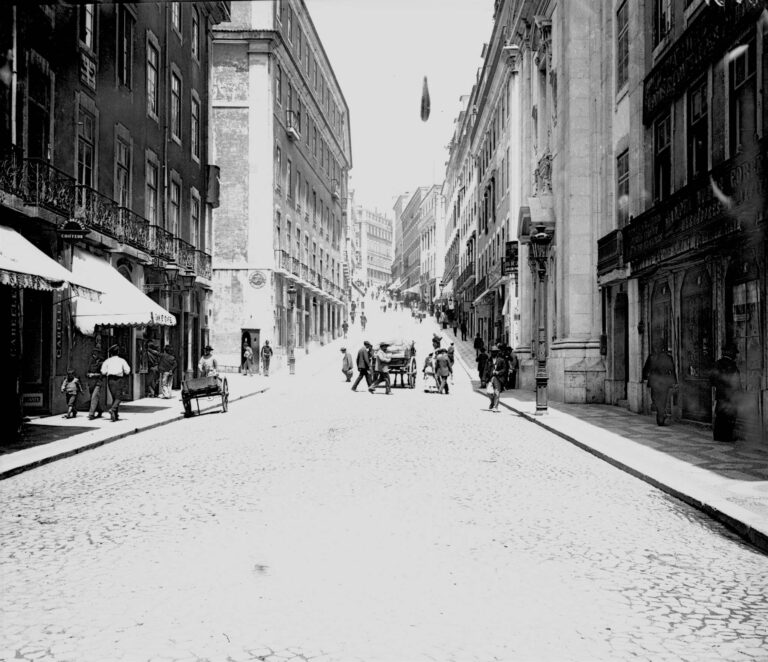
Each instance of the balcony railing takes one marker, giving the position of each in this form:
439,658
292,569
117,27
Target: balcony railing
305,272
185,255
285,260
49,187
134,229
295,266
12,170
161,243
466,274
97,212
203,265
610,252
480,287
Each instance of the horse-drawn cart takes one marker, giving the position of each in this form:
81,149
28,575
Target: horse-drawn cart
403,363
204,387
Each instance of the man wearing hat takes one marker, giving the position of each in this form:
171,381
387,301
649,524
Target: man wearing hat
167,366
95,384
363,365
382,368
115,369
207,365
726,380
346,364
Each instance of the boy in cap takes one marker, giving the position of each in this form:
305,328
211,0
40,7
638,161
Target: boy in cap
71,388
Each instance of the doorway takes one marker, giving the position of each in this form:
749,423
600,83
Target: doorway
251,338
697,352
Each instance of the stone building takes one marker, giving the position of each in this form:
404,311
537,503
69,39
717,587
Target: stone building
431,221
398,270
104,168
281,134
408,224
682,249
375,235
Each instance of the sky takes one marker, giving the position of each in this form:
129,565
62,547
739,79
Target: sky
380,51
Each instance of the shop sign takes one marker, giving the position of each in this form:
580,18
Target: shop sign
59,331
32,399
702,42
14,330
706,210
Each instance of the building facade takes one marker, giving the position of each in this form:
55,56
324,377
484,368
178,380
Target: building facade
281,133
105,169
682,260
431,221
374,232
408,221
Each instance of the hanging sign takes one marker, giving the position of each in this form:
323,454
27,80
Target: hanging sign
59,331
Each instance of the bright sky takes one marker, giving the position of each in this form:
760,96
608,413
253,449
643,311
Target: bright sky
380,51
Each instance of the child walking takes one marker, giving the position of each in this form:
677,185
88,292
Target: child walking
71,388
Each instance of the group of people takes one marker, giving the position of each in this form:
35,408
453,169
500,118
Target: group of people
373,366
248,358
111,371
497,371
439,365
345,324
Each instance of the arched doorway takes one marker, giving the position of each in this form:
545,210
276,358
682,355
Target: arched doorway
697,351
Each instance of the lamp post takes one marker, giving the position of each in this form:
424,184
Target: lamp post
291,324
537,258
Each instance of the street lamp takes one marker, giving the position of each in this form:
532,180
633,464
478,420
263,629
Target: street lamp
291,324
537,259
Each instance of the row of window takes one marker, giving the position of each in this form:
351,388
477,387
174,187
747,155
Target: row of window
293,245
296,113
295,36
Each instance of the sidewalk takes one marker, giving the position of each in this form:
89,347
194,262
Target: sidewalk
727,481
50,438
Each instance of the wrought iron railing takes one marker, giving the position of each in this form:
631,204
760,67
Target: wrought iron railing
49,187
12,170
134,229
285,260
467,273
204,264
305,272
161,243
185,255
295,266
97,211
480,286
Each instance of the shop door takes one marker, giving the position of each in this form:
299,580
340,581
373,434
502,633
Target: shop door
743,325
252,338
620,346
697,356
661,318
36,321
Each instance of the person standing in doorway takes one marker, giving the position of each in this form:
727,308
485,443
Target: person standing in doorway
247,363
266,357
363,364
513,365
726,380
115,369
95,384
153,374
660,375
382,369
167,366
478,344
463,328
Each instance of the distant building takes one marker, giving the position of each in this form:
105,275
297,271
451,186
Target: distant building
281,134
431,219
374,233
104,168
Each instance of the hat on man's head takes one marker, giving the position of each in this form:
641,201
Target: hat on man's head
168,349
343,349
366,343
383,344
114,349
207,348
494,348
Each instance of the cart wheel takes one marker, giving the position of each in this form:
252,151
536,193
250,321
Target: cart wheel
225,396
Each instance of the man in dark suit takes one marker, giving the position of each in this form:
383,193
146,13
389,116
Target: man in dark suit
443,370
659,371
725,378
363,364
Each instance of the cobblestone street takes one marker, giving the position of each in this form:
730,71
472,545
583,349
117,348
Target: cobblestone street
313,523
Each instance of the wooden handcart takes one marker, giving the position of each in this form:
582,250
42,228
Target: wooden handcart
204,387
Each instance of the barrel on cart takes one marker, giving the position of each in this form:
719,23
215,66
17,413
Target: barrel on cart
204,387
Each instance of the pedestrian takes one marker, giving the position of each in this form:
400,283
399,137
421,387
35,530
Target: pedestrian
71,388
482,360
455,326
478,344
660,374
428,371
436,340
95,384
498,374
463,328
207,366
514,365
345,325
443,370
382,369
363,365
444,320
115,369
247,362
266,357
167,366
346,364
153,374
451,354
726,380
363,321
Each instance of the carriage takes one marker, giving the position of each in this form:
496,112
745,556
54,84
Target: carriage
403,362
204,387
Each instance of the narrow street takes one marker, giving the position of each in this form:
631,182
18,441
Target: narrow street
313,523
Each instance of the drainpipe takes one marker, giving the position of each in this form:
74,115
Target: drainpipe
14,49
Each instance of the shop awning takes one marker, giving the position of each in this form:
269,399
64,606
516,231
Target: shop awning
122,303
416,289
24,265
396,285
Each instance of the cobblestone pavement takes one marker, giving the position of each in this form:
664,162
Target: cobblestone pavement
313,523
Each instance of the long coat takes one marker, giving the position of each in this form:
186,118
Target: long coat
363,359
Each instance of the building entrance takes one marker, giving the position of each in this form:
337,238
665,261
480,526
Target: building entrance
697,351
